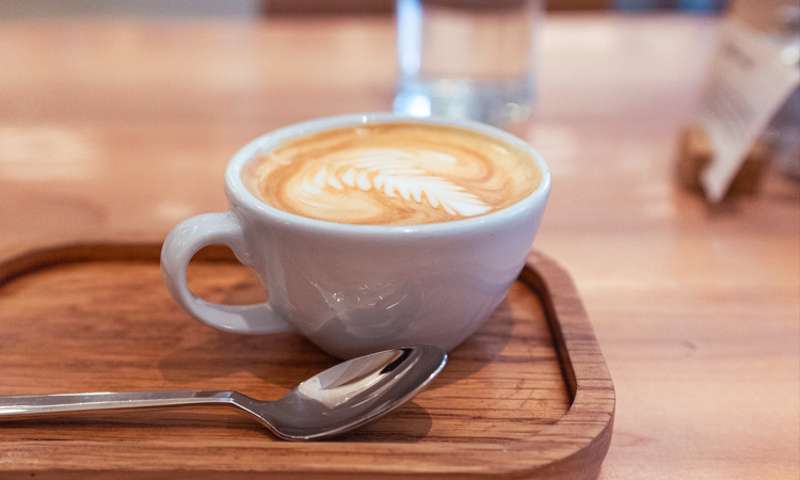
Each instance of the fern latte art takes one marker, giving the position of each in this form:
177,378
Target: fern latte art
392,174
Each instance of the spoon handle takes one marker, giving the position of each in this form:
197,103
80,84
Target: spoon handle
19,407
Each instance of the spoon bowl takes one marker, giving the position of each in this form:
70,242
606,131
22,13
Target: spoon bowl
349,394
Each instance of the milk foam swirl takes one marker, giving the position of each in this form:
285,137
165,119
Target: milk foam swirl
392,174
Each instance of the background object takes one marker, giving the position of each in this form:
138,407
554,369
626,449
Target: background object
150,8
775,16
469,59
690,5
52,8
696,153
780,19
783,137
385,6
748,81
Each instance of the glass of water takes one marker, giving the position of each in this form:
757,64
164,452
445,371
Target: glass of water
467,58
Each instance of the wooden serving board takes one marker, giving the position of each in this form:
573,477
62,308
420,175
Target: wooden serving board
527,396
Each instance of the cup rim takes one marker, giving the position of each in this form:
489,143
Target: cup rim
240,196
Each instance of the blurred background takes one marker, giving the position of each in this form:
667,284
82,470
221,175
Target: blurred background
259,7
117,120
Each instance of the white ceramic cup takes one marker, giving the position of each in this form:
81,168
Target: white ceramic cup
353,289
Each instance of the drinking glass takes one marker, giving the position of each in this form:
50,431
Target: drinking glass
468,59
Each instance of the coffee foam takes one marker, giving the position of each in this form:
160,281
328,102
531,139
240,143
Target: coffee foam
392,174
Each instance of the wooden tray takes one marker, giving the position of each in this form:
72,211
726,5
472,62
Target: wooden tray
528,396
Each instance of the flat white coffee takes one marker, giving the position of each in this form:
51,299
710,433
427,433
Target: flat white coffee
392,174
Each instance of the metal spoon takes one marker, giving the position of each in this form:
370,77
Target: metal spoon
332,402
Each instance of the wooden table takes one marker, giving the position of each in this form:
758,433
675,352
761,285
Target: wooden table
121,127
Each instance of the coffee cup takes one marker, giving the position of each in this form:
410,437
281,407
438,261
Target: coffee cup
370,231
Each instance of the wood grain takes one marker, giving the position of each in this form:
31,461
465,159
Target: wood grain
103,120
98,318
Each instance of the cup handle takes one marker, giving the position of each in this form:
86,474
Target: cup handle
186,239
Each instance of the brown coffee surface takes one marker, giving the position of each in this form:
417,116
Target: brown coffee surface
392,174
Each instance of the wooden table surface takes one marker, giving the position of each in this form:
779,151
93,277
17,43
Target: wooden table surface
121,127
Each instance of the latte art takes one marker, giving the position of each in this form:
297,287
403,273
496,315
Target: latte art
392,174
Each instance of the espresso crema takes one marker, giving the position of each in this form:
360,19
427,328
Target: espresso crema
392,174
